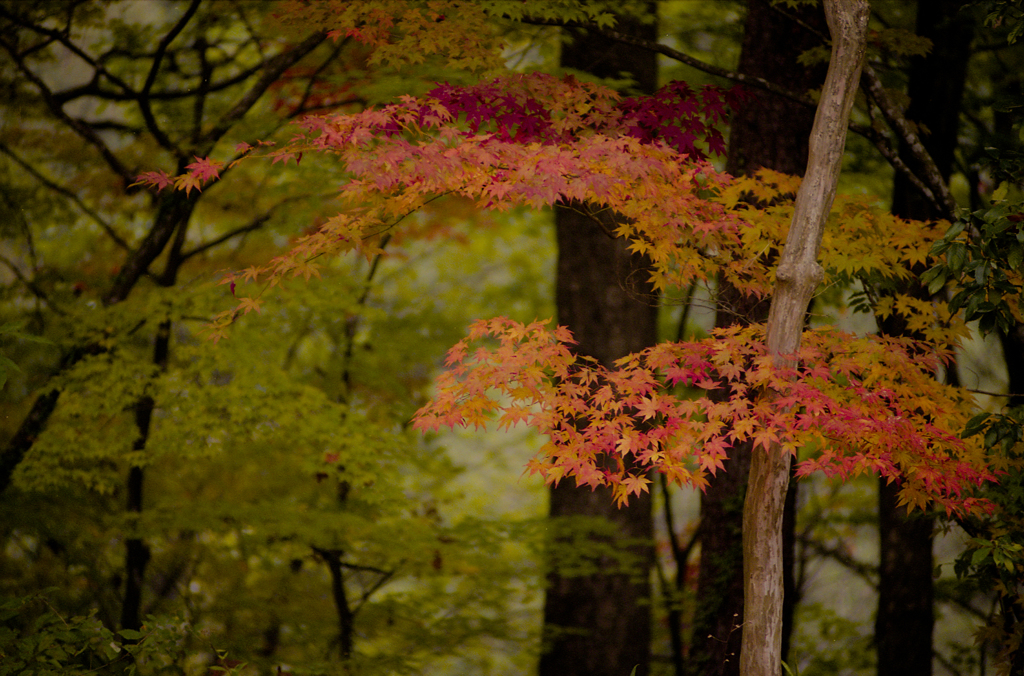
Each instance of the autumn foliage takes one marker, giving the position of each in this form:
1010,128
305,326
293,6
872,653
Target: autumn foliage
850,405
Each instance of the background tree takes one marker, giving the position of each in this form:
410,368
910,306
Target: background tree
313,393
904,622
601,621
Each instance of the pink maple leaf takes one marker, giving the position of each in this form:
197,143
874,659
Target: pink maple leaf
205,169
160,179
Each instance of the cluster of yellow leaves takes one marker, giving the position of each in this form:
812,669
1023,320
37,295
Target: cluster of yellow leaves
862,243
464,33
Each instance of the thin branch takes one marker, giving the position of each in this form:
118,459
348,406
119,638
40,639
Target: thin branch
94,89
939,192
255,224
1009,395
933,187
205,75
865,571
366,569
676,55
61,37
884,146
365,596
271,72
161,49
30,285
312,78
80,128
107,228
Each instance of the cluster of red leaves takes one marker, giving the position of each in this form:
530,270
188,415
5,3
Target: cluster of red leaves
849,405
520,110
204,170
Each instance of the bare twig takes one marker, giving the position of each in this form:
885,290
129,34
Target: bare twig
272,70
55,107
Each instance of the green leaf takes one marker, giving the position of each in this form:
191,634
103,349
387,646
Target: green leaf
935,279
956,257
980,555
1015,258
999,194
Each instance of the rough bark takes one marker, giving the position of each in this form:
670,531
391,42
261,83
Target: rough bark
798,275
601,623
763,133
770,132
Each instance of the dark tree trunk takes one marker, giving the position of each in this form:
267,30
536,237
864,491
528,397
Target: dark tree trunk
905,617
903,626
172,220
346,617
769,132
136,551
600,623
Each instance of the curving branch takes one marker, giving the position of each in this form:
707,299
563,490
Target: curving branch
253,225
69,194
938,191
158,57
56,108
682,57
33,288
272,70
93,88
61,37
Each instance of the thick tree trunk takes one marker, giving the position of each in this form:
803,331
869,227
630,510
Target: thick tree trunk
798,275
600,623
905,617
773,133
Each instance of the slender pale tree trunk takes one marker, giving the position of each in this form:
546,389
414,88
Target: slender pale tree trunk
798,276
771,133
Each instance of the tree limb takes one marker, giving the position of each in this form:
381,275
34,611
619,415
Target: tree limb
144,107
79,127
938,191
61,190
273,69
255,224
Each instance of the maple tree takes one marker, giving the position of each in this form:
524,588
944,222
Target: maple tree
500,144
860,407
